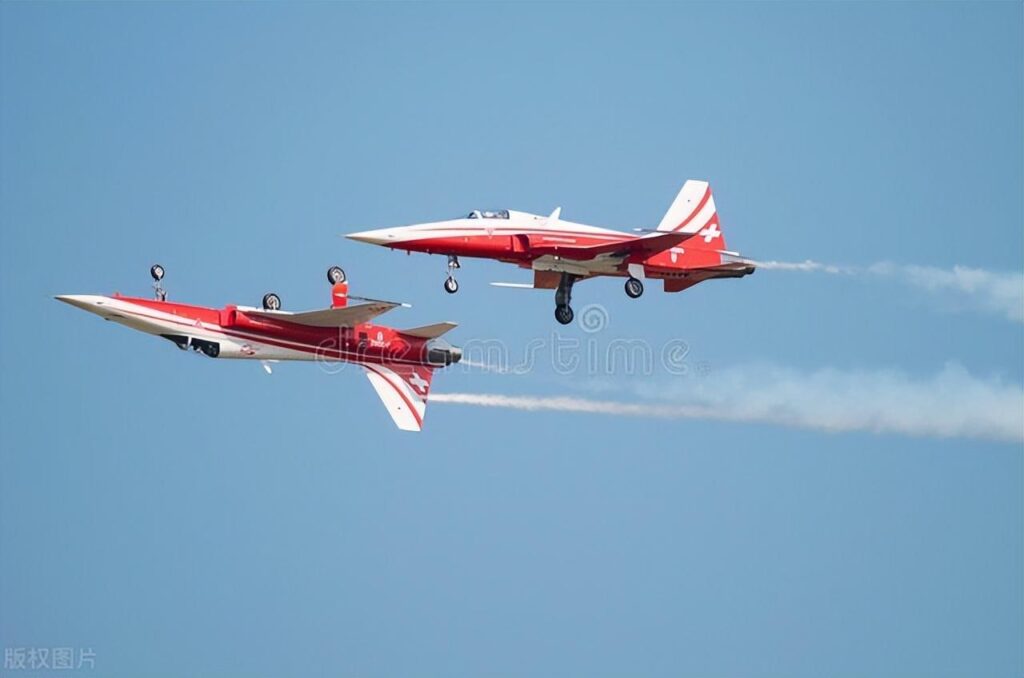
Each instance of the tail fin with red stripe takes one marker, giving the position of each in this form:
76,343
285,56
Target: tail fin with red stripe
693,211
403,389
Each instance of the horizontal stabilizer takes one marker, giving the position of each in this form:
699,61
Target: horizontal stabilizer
430,331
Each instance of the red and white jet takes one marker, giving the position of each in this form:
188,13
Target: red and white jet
399,363
687,247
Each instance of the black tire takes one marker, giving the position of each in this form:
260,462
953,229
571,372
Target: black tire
451,285
335,275
634,288
271,302
564,314
157,271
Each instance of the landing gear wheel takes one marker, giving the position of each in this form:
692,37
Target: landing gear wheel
271,302
564,314
335,275
451,285
634,288
157,271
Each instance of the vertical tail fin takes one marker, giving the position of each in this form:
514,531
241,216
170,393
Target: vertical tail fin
404,390
693,211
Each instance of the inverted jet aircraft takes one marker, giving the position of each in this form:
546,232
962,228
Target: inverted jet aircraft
399,363
687,247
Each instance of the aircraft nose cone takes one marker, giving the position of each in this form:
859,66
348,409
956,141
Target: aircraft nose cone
378,237
79,300
86,302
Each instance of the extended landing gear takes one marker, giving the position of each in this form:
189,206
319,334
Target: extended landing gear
634,288
271,302
335,275
564,314
563,297
157,272
451,285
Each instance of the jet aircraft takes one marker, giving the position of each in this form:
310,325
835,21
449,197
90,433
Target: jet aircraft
686,248
399,363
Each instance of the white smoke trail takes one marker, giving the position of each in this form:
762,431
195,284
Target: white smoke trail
1000,292
950,404
486,367
807,265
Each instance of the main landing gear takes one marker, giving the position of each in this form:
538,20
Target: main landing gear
335,275
157,272
634,288
272,302
563,297
451,285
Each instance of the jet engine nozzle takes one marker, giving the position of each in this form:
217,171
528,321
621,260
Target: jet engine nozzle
441,353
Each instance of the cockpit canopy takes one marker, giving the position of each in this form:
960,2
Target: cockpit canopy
488,214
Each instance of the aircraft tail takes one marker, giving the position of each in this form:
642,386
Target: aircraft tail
693,211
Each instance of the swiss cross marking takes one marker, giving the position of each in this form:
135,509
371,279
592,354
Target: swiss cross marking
419,382
710,232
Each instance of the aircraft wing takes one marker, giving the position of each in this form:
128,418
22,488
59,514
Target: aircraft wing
346,316
643,246
403,389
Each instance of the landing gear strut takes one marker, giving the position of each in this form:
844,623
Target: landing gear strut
157,271
563,297
451,285
634,288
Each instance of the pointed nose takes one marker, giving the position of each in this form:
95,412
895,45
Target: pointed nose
381,236
87,302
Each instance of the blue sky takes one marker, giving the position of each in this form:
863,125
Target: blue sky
185,516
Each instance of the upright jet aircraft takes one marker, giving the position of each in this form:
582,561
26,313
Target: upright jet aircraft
688,247
399,363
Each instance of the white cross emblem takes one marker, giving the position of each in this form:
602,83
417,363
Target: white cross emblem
711,232
419,382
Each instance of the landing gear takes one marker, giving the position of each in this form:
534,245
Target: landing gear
564,314
157,272
451,285
335,275
563,297
634,288
271,302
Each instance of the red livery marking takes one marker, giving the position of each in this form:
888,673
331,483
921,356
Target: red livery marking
700,206
398,390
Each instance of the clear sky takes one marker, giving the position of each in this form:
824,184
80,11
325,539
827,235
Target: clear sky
182,516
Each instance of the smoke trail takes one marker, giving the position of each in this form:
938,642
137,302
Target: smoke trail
993,291
951,404
486,367
807,265
998,292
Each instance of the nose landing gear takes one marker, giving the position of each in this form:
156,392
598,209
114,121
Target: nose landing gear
634,288
157,272
451,285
